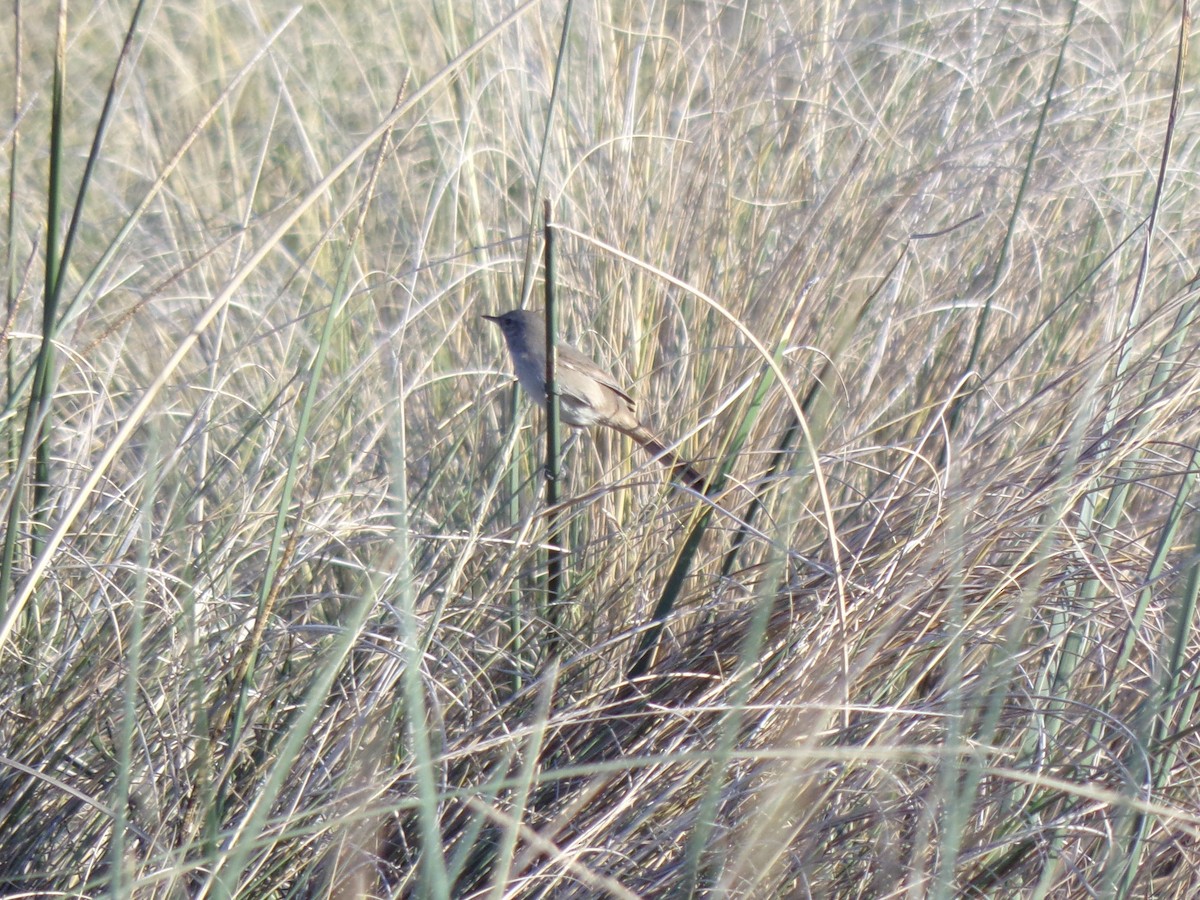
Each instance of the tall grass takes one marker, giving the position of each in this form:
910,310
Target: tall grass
917,280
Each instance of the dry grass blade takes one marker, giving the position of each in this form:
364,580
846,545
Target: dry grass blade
281,635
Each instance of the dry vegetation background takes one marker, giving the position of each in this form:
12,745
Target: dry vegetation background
271,616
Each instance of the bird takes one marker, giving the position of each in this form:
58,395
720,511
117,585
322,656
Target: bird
588,395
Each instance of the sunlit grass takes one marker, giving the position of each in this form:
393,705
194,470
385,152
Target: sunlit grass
275,623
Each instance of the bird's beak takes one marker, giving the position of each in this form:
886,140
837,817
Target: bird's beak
490,318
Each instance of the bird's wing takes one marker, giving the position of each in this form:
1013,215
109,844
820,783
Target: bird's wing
573,359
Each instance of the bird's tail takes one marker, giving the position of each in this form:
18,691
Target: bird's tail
680,469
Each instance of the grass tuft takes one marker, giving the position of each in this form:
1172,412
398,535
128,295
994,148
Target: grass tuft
915,283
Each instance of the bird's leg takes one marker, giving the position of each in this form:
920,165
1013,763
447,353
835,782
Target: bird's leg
568,445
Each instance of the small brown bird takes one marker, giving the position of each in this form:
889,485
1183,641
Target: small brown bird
587,394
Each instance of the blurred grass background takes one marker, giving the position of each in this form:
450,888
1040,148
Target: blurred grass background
271,618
